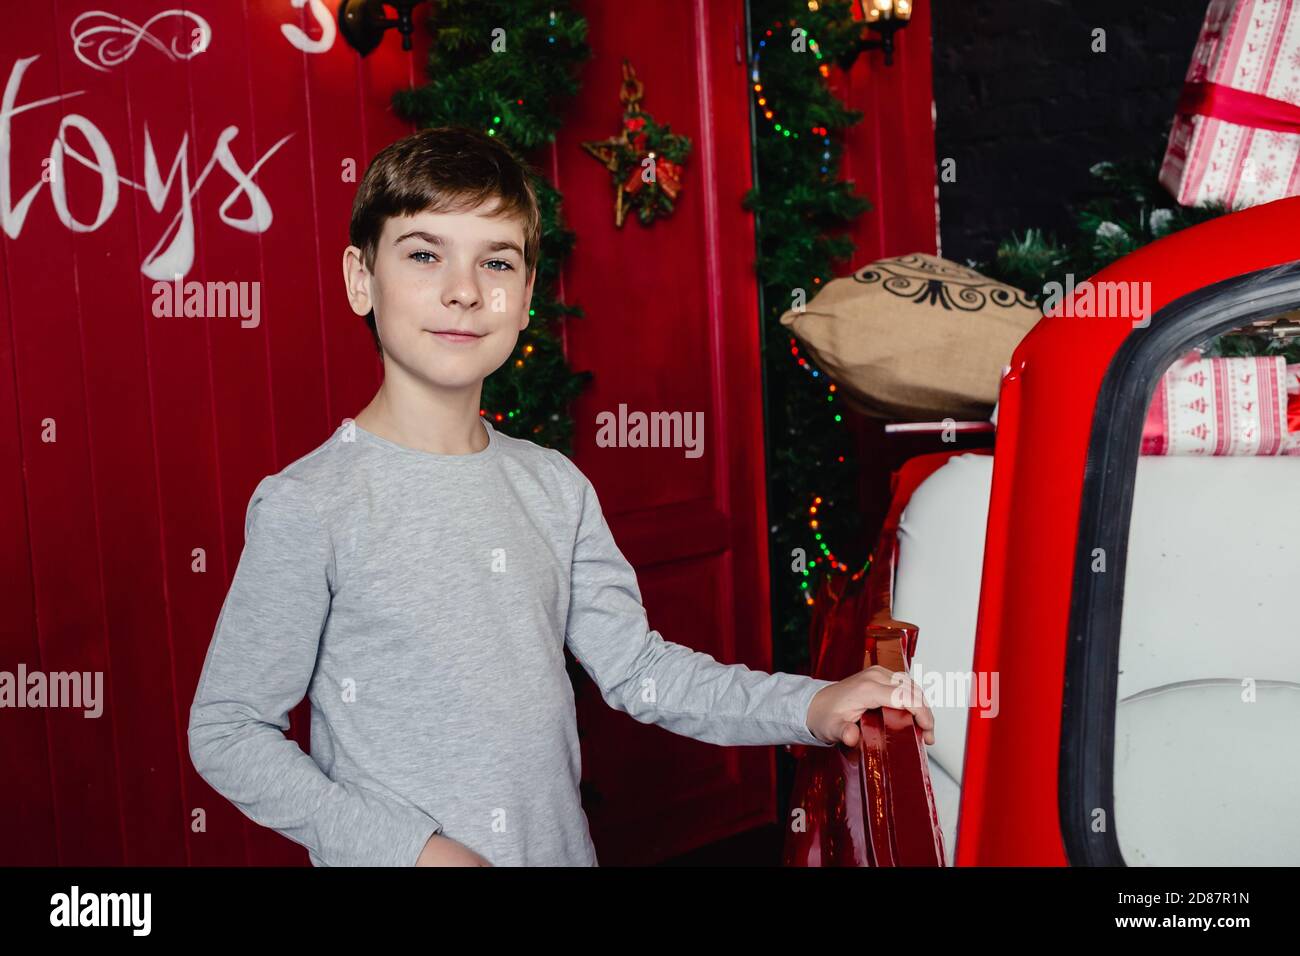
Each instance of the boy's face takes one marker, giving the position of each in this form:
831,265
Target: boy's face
449,292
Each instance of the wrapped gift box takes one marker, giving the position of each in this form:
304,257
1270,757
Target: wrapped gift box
1236,136
1219,406
1291,444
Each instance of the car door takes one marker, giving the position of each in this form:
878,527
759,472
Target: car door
1082,587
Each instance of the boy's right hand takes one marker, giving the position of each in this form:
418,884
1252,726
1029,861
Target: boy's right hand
444,851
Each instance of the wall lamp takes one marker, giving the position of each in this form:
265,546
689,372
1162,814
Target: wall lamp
363,22
885,17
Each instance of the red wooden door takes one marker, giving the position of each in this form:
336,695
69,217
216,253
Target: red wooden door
672,325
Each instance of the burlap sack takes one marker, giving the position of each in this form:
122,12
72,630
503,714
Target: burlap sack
915,338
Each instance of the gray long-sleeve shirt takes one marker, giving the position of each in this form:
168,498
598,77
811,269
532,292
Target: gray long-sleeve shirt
423,602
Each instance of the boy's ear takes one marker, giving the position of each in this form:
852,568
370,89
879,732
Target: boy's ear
357,281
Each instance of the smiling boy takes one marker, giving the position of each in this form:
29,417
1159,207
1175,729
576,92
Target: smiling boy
419,575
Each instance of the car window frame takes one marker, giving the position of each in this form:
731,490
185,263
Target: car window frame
1087,743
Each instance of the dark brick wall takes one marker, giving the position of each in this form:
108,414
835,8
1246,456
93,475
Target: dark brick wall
1025,107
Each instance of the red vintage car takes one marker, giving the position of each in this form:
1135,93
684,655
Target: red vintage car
1103,614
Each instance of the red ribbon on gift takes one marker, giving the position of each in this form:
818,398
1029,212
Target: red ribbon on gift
1293,399
1239,107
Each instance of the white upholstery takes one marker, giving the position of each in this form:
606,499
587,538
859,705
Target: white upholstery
1214,565
1203,778
937,584
1210,598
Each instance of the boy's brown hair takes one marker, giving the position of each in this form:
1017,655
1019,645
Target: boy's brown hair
442,169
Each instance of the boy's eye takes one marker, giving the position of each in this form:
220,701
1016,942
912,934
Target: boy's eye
421,252
494,262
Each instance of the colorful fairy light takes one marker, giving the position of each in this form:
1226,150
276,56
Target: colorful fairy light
765,108
496,121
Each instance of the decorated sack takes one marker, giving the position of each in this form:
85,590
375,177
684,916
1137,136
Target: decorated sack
1236,136
915,338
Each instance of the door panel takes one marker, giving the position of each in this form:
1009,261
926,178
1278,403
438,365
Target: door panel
673,326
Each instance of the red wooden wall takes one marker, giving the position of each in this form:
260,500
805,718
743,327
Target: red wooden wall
889,155
163,426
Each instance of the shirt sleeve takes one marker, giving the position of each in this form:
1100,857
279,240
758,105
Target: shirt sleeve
655,681
258,667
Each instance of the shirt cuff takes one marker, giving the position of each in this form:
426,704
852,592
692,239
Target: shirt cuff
799,719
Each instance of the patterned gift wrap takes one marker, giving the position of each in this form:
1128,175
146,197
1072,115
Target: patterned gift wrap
1236,136
1220,406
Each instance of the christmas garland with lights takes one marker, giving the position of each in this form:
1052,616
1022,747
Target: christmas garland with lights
502,66
798,201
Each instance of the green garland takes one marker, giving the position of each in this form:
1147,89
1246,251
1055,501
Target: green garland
1132,210
502,66
798,202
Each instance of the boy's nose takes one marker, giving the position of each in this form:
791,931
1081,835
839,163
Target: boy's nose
462,291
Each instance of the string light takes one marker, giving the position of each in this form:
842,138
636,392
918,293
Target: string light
496,120
519,363
765,107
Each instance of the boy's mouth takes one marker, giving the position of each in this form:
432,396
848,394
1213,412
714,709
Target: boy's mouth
455,336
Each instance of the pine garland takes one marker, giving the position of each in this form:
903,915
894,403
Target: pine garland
798,202
1132,210
502,66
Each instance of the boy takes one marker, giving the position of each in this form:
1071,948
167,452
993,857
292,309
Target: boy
419,574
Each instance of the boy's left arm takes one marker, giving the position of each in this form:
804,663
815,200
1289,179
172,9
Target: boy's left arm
683,690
